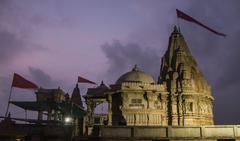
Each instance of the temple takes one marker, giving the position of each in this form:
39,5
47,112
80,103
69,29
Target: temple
178,106
180,97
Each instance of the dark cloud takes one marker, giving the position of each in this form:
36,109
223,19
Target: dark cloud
10,43
42,79
10,46
15,28
122,57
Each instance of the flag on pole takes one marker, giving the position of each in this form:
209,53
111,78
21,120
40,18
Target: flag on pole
20,82
186,17
84,80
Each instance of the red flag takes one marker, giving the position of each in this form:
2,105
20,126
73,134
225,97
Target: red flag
186,17
83,80
20,82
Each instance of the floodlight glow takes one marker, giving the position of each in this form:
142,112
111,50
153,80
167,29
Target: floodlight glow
68,119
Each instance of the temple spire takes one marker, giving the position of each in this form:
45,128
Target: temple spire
178,64
176,56
184,81
76,97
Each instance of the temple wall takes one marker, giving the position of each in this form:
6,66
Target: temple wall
213,132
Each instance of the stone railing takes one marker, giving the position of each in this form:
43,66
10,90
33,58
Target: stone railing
171,132
143,86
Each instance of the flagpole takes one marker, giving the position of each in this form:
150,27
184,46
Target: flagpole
178,23
8,101
25,115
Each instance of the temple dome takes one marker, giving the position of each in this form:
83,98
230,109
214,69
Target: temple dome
135,75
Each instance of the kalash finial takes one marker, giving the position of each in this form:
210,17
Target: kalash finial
175,29
135,68
102,83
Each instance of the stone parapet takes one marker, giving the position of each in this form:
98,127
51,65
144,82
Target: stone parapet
141,86
211,132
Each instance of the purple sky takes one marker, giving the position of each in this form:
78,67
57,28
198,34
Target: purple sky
52,42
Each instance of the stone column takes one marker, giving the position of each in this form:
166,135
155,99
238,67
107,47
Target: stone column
40,115
109,118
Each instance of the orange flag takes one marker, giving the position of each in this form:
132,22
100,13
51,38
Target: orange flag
186,17
84,80
20,82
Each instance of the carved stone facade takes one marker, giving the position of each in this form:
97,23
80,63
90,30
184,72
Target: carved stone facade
190,99
181,97
138,103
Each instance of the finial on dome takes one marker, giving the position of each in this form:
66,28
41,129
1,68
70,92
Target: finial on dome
135,68
175,29
102,83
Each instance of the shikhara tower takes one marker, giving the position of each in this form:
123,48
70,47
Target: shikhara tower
190,101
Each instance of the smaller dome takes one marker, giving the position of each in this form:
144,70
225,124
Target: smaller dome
135,76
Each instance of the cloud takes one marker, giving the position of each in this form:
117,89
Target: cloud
5,85
11,46
42,79
16,27
122,57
